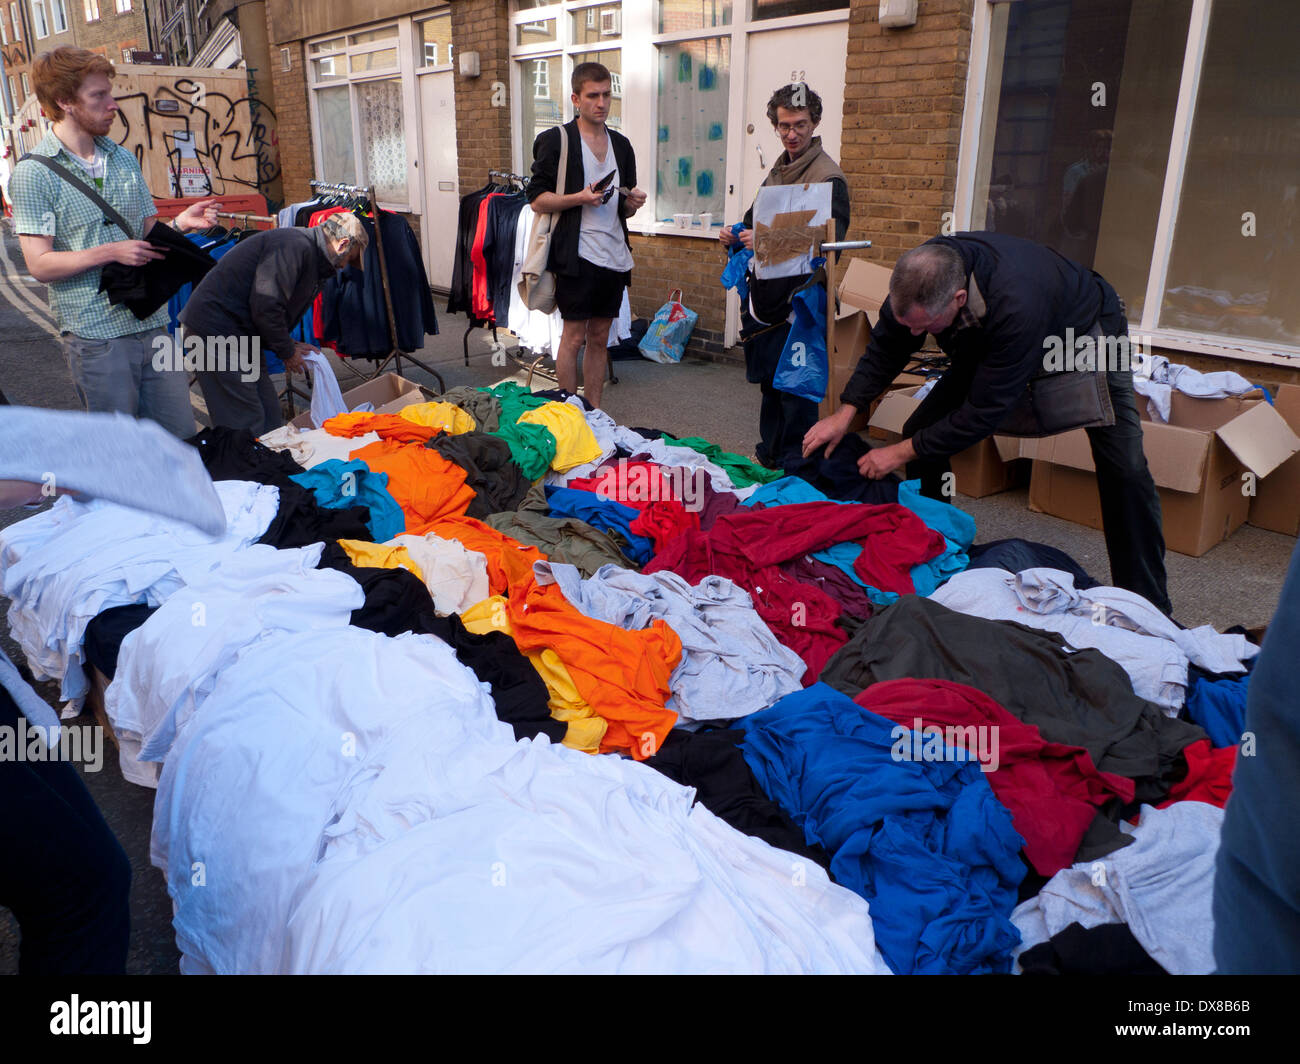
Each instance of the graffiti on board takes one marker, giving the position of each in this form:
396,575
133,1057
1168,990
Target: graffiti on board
213,142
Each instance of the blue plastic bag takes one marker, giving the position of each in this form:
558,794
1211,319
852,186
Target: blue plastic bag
803,369
736,273
665,340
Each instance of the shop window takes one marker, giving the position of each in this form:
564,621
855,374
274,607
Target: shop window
691,146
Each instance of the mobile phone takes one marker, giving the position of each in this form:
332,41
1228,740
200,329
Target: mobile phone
603,183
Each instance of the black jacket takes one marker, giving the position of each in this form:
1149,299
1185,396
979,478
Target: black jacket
1023,293
146,288
261,287
546,164
353,309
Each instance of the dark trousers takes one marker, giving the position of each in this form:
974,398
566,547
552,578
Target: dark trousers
63,874
783,419
1130,507
235,403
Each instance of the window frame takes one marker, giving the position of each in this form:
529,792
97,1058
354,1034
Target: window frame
61,7
982,95
409,50
17,22
86,8
122,7
39,5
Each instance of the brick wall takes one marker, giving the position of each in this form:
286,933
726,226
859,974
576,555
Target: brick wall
292,120
482,125
903,96
111,32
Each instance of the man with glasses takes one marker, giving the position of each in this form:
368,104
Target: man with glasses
591,254
795,111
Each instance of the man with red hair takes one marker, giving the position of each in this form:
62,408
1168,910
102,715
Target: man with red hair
67,240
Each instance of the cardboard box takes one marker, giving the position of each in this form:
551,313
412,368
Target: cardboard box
387,394
979,470
1203,474
862,291
1276,505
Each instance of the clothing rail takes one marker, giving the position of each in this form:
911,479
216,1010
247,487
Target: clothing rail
395,354
261,219
535,365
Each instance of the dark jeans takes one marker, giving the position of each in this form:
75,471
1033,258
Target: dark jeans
783,419
63,874
235,403
1130,507
1257,873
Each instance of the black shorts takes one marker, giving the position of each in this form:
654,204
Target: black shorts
596,292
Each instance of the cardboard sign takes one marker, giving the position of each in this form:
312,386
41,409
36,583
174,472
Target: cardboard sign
789,220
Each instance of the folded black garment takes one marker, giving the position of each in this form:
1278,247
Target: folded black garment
713,763
518,691
105,633
1108,949
1016,555
397,601
236,454
146,288
490,470
837,477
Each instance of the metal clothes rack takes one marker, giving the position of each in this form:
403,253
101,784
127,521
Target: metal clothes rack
395,353
478,323
264,219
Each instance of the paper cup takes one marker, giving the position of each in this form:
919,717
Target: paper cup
683,221
706,220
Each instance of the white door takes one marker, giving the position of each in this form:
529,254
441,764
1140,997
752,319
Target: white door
438,165
811,54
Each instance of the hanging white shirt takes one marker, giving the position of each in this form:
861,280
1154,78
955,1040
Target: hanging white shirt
600,240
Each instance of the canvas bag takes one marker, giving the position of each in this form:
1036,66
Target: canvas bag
536,282
665,340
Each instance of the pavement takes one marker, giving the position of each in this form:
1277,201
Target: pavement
1237,582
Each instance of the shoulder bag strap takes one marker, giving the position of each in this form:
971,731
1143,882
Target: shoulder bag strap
562,178
85,189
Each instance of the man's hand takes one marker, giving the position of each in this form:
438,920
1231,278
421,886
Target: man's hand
588,197
828,431
746,238
726,236
635,200
296,363
201,214
881,461
132,252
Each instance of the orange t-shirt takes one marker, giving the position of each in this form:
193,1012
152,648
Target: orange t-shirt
426,485
389,427
622,675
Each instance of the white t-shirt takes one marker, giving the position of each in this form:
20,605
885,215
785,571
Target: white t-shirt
600,240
